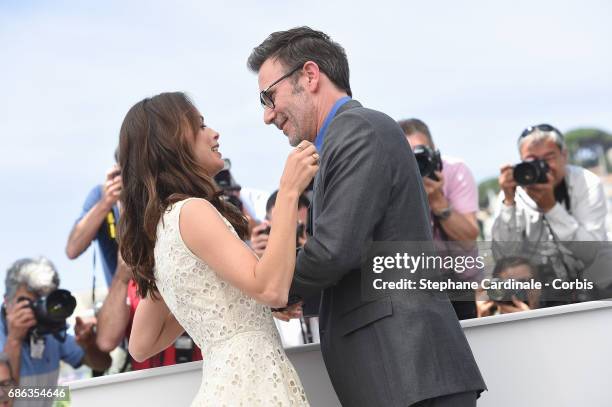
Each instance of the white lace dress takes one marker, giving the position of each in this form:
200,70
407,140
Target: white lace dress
244,363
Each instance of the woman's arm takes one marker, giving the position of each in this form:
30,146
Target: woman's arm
268,279
154,329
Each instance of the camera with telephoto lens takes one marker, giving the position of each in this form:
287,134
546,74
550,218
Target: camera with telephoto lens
531,172
51,312
428,160
504,295
228,185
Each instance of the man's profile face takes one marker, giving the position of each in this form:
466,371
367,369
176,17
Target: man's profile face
293,111
418,139
546,150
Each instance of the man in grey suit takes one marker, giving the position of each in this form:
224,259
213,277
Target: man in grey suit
402,349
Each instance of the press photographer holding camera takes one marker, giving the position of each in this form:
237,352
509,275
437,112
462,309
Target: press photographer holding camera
98,222
33,327
450,186
547,205
260,233
453,201
506,301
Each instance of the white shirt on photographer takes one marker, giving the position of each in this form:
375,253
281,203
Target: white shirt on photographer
585,220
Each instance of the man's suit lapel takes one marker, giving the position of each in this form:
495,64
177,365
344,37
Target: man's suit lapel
317,193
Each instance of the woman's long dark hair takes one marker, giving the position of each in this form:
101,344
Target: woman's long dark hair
159,168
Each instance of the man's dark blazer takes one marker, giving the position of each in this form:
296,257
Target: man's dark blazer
400,348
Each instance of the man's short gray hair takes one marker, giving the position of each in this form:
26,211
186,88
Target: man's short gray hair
537,136
38,276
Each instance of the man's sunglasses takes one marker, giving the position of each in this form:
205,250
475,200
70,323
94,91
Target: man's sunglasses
265,99
541,127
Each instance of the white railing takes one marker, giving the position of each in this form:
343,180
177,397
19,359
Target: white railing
559,357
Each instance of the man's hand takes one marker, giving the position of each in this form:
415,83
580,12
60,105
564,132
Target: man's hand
20,318
507,183
435,194
543,194
516,306
84,333
259,240
111,189
290,312
484,308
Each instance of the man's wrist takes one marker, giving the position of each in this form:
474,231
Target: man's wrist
14,341
444,213
547,206
438,203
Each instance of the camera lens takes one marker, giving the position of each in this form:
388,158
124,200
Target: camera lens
424,158
530,172
60,304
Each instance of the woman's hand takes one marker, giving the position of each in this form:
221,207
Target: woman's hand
300,167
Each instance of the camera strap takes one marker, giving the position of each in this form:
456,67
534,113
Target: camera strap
562,195
93,282
560,248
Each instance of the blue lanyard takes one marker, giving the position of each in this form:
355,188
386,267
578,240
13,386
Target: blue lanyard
328,119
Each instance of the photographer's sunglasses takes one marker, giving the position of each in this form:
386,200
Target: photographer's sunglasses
541,127
265,99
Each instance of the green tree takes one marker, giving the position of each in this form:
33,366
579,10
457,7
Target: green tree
489,184
589,140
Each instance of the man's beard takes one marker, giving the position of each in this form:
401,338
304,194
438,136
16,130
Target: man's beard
294,140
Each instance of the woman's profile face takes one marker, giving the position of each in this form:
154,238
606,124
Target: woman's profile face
206,149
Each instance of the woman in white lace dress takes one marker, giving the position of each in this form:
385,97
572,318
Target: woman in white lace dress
193,271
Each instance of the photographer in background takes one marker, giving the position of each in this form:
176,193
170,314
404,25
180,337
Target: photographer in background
546,205
260,233
505,301
306,330
453,201
231,193
35,339
98,221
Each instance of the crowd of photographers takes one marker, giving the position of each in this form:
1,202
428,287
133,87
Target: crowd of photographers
545,207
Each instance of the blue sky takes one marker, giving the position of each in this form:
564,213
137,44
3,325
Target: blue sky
477,72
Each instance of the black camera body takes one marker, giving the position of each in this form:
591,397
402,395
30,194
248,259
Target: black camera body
224,178
531,172
51,312
299,232
428,160
504,295
228,185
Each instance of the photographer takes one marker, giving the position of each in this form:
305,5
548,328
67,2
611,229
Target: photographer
307,329
34,340
98,221
546,204
508,301
231,193
453,201
259,234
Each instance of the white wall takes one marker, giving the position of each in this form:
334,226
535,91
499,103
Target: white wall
557,357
